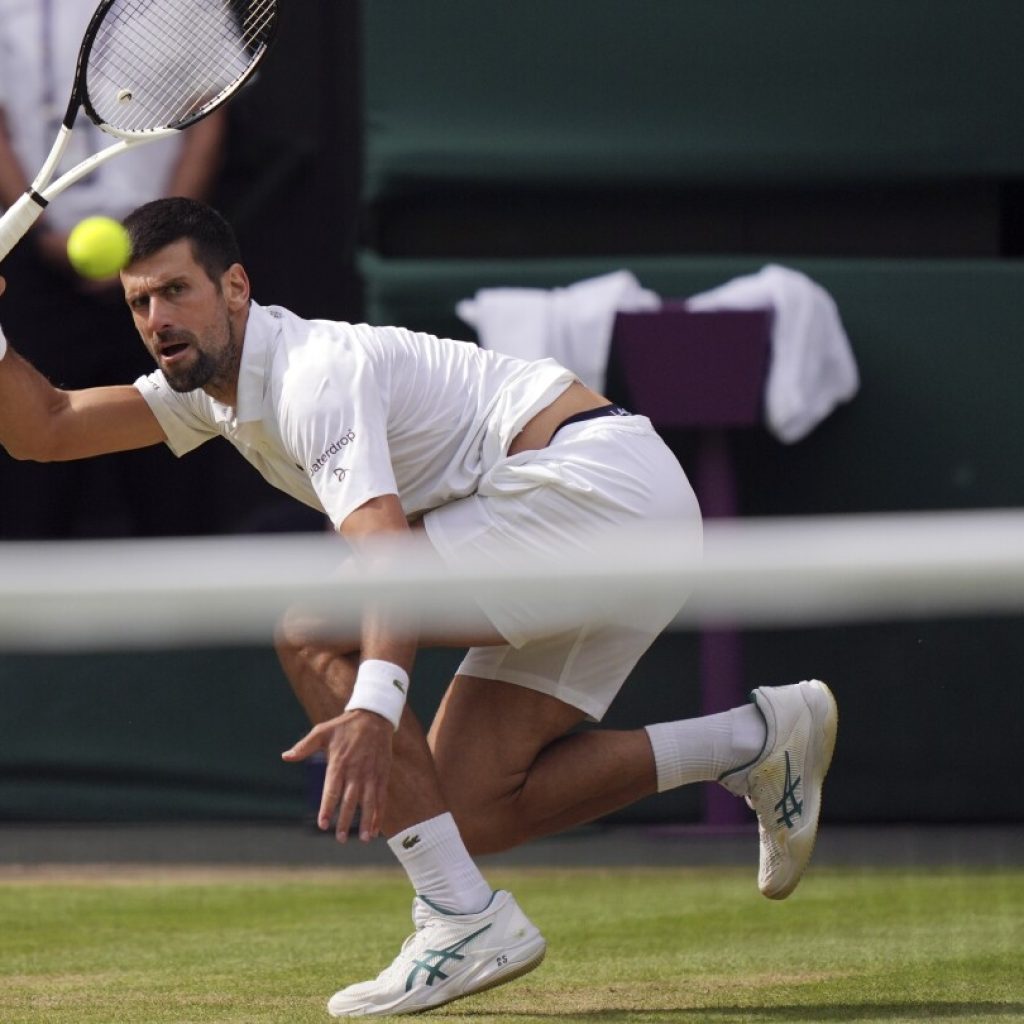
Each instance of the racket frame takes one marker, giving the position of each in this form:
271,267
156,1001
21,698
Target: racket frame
27,208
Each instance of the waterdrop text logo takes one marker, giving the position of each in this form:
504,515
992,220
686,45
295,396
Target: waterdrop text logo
332,449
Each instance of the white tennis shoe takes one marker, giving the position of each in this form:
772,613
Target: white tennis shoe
783,784
448,956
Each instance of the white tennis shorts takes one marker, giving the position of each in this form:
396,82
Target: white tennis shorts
595,474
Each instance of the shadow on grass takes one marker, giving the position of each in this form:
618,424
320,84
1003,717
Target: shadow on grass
826,1012
864,1011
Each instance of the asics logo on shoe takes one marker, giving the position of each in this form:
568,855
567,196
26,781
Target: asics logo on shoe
440,957
410,841
789,807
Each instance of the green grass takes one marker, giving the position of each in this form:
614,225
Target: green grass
625,945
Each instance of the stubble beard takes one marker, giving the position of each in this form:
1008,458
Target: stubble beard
207,369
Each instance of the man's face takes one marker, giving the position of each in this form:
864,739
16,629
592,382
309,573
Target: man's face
185,320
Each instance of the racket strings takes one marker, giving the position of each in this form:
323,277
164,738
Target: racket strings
162,63
210,66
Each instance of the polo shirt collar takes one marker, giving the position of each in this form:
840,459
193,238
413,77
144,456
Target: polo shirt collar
252,372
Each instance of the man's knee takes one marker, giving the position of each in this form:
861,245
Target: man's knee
486,739
298,659
289,654
321,671
302,641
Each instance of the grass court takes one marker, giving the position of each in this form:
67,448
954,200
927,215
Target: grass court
197,946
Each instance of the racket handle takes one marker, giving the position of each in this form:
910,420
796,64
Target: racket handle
15,223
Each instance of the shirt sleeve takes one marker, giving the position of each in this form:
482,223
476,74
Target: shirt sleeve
333,422
184,427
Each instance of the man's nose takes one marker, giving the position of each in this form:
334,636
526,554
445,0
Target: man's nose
158,314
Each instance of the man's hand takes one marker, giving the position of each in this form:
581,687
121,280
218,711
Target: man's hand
358,745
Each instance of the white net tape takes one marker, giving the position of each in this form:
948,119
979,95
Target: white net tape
754,572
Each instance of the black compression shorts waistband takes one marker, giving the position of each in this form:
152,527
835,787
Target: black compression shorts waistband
590,414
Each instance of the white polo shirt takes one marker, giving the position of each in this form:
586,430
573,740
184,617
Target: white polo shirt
39,42
335,414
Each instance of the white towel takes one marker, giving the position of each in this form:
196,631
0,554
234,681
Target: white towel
812,366
572,325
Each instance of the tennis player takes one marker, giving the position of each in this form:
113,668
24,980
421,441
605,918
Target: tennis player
387,430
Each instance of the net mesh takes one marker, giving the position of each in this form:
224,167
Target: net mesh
164,63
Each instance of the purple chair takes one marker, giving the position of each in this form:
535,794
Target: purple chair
704,372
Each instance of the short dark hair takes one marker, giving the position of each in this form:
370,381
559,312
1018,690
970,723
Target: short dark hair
155,225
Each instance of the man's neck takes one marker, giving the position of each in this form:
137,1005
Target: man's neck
225,390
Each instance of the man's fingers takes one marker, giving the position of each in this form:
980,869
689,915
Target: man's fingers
373,811
358,766
328,801
334,786
347,811
369,811
309,744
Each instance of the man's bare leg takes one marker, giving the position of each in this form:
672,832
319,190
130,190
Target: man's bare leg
421,832
322,676
511,773
495,939
512,770
504,758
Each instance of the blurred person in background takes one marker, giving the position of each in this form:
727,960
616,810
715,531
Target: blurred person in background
74,330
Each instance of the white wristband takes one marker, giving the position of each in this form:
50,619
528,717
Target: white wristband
381,687
3,344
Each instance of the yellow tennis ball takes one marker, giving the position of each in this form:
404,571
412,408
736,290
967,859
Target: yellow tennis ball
98,247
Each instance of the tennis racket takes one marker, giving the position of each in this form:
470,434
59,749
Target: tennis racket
148,69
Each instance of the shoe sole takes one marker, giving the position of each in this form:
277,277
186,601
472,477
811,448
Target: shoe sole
518,970
512,971
800,842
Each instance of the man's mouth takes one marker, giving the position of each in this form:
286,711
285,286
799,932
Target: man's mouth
171,350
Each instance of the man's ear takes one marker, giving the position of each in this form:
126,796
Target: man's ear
235,285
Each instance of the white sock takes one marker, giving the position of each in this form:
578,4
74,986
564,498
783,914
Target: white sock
704,749
439,866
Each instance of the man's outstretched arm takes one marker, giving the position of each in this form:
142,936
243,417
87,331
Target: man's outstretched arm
358,742
46,424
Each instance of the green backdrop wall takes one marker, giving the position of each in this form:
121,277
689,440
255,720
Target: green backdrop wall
478,142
